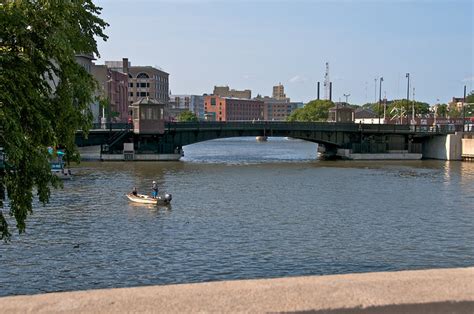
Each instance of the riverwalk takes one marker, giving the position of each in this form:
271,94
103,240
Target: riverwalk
422,291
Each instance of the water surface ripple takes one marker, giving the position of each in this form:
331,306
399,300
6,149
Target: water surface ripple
241,210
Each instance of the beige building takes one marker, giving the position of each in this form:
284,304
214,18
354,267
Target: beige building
225,91
279,92
143,81
341,114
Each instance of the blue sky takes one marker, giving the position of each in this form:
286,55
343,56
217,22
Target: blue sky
257,44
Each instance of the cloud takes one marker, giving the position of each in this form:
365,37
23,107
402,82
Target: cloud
298,79
247,76
468,79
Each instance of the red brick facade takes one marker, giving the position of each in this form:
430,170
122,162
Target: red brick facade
232,109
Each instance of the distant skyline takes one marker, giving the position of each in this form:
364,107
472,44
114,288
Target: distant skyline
257,44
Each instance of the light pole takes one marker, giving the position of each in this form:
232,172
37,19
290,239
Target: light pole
347,96
413,108
464,109
375,86
380,97
408,93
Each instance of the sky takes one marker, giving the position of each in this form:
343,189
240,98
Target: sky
260,43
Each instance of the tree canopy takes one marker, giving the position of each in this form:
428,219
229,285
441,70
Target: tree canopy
45,94
187,116
315,110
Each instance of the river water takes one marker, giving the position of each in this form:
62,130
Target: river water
243,210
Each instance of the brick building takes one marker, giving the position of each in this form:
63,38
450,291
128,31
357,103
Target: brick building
232,109
144,81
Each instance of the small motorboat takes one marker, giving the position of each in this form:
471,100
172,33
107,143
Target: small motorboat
59,170
145,199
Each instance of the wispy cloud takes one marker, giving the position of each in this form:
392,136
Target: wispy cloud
298,79
468,79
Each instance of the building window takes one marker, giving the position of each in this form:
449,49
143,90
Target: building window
213,101
131,94
142,75
130,84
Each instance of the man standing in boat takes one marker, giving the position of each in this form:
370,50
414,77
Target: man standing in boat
154,187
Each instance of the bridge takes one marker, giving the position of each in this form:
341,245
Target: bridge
117,139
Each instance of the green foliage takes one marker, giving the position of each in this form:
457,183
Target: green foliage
469,107
187,116
315,110
442,110
45,94
470,98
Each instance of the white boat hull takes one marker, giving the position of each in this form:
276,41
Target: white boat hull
145,199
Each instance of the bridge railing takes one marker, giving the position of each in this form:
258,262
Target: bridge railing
111,126
312,126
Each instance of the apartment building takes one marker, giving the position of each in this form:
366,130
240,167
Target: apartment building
279,92
114,87
232,109
143,81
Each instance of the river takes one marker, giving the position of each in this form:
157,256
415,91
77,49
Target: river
243,210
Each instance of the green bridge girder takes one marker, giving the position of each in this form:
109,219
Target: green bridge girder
331,135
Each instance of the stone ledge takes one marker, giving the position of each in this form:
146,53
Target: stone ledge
422,291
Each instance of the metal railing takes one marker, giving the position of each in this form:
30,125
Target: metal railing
111,126
294,126
314,126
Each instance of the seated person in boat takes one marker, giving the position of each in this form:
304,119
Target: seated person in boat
134,191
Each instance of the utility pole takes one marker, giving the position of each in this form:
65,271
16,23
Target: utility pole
408,93
380,97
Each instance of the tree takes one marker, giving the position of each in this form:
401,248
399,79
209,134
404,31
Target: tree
315,110
187,116
45,94
442,111
469,106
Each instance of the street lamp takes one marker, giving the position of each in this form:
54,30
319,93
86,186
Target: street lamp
464,109
408,93
413,108
380,97
375,86
347,96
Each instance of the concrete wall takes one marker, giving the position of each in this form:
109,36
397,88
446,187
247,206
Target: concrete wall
444,147
467,147
421,291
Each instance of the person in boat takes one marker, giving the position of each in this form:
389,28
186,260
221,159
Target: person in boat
154,192
134,191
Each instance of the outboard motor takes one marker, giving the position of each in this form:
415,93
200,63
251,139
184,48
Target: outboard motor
167,198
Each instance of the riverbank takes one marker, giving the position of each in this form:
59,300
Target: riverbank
422,291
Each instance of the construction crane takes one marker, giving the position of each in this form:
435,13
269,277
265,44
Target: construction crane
326,82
